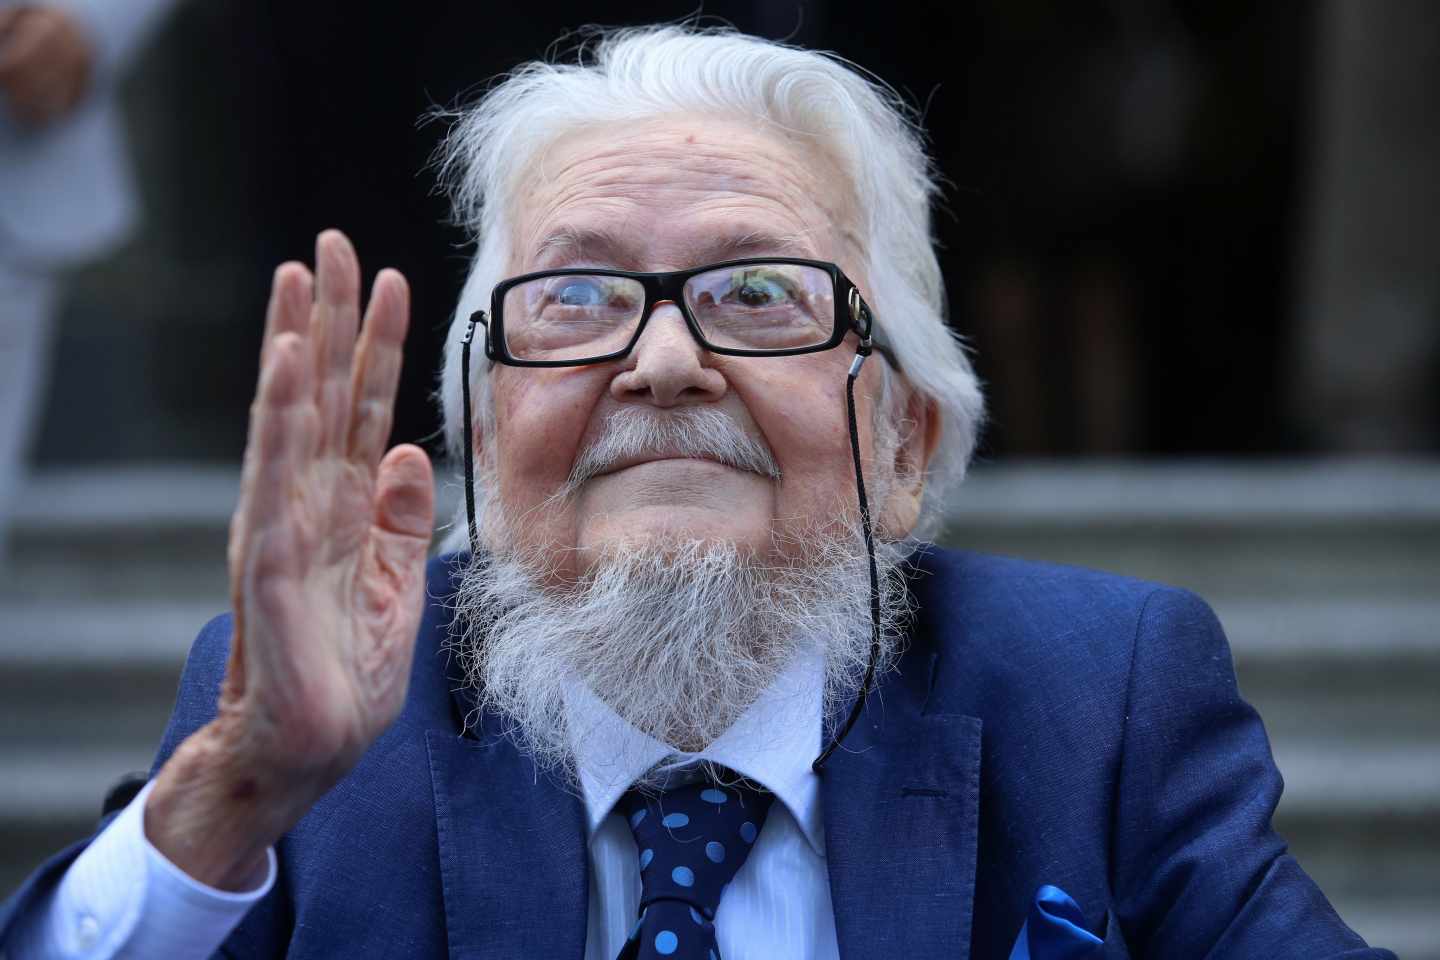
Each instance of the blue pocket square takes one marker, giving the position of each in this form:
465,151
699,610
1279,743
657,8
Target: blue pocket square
1054,930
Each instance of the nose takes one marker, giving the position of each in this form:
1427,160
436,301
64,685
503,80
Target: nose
668,367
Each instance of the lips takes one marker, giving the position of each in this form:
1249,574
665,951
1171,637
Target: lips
625,463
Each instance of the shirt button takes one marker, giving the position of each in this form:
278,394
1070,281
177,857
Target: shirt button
89,932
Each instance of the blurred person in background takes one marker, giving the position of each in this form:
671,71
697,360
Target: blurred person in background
666,615
66,194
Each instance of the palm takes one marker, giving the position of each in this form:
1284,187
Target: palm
328,543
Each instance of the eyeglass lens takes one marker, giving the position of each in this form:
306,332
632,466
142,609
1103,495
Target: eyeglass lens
757,306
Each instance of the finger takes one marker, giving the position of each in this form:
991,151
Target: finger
288,312
272,532
292,292
405,501
283,432
277,660
282,425
377,368
282,382
333,323
400,541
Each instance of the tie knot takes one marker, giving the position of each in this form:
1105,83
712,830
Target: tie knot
693,839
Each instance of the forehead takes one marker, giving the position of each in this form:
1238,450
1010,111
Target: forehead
669,193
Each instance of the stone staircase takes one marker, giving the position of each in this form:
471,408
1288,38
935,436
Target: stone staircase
111,574
1326,576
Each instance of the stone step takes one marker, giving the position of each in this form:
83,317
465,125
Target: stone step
62,772
130,533
1355,529
1307,669
1335,780
1327,632
41,787
62,672
1332,631
1356,858
121,498
1085,494
1299,531
108,635
1325,575
1410,928
1062,495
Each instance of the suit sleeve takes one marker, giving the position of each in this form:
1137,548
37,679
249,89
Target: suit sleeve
262,933
1199,870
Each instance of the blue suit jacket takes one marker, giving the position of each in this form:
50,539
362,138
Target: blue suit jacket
1046,725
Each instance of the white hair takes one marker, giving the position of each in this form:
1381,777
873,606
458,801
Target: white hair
636,73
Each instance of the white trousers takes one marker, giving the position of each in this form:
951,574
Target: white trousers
27,303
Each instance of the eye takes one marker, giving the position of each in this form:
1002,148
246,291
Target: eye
759,288
578,292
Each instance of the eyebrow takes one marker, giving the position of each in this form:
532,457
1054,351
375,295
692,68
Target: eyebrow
568,245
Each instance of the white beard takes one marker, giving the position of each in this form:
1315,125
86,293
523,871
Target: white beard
678,639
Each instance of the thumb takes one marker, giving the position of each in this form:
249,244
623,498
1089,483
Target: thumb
405,495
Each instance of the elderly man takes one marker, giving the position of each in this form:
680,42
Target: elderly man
624,728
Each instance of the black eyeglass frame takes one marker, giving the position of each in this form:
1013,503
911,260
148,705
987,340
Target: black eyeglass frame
669,287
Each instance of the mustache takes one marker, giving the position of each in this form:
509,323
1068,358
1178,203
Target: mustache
698,432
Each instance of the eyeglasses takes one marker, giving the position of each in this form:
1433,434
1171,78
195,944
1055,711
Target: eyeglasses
770,307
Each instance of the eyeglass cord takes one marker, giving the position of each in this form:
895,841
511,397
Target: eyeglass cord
865,526
861,353
469,443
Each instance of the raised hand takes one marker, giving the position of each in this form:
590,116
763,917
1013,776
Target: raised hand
327,573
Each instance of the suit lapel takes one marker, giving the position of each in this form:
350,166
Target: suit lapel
901,804
512,852
513,860
901,801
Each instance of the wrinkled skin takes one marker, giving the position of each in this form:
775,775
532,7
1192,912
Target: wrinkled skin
666,195
327,573
328,543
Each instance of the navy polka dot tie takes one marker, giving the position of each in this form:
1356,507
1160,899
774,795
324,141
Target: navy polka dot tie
692,840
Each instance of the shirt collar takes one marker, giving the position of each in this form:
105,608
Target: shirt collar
772,743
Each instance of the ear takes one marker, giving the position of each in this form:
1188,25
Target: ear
480,439
919,436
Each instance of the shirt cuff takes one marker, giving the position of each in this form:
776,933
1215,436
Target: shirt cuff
123,898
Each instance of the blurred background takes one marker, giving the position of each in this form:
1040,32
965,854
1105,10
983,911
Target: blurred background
1195,246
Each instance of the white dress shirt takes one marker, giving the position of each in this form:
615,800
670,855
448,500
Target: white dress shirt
778,904
122,898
